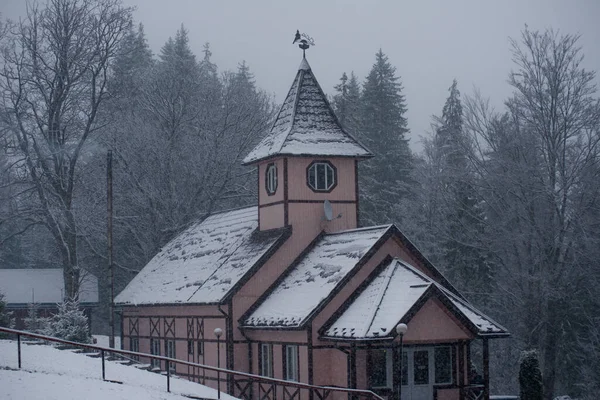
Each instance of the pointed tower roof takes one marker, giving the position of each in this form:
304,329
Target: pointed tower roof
306,125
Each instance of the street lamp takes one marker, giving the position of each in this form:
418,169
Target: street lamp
401,330
218,333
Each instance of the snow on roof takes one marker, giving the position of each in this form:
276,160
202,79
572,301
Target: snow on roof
314,277
24,286
203,263
306,125
388,299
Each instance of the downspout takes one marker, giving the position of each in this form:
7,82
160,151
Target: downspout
228,343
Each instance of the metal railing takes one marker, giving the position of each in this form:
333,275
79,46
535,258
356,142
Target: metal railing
244,384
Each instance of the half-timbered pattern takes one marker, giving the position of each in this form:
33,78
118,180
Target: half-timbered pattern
301,292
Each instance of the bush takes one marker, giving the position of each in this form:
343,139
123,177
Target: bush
69,323
530,376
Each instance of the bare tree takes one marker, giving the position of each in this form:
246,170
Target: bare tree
55,66
538,175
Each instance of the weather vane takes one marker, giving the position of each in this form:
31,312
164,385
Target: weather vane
304,41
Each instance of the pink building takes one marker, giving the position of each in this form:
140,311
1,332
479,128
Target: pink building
301,292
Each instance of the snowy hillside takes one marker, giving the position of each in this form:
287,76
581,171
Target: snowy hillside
52,374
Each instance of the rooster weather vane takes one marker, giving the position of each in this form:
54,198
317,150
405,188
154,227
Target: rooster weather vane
304,41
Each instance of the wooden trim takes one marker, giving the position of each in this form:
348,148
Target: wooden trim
273,203
486,370
353,381
461,369
321,201
356,193
309,349
354,295
454,363
285,193
258,193
468,362
229,344
397,378
369,370
306,155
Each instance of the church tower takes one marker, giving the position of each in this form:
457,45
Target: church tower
307,165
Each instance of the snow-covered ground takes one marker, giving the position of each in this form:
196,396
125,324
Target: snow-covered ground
51,374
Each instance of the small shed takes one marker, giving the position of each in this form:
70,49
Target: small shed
45,288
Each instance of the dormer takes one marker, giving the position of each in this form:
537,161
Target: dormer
305,159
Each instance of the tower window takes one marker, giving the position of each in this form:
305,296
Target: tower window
271,179
321,176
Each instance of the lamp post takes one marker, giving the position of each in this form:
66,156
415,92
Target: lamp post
400,330
218,333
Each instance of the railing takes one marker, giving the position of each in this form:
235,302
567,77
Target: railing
474,392
244,383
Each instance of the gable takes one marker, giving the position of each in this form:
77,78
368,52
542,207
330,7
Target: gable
434,323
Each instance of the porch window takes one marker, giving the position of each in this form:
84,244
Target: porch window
155,351
200,348
170,352
134,345
266,360
291,363
381,368
443,364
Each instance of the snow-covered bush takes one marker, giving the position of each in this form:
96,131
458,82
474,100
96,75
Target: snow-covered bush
530,376
33,322
6,319
69,323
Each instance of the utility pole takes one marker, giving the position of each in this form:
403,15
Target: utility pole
109,202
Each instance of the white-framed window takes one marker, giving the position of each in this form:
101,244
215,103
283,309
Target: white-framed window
134,345
321,176
443,364
266,359
170,352
291,363
271,179
190,348
155,351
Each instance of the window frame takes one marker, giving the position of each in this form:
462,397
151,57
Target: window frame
291,364
134,345
271,179
265,363
170,352
155,351
315,164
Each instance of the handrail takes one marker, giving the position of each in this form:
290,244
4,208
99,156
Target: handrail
258,378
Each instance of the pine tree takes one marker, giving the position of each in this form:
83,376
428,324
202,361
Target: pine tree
386,179
346,102
69,323
530,376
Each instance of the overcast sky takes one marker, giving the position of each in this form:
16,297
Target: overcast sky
430,42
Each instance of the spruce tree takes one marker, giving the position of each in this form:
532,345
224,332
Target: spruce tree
460,225
385,179
69,323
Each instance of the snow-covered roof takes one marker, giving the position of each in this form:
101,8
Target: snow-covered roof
205,262
306,125
42,286
315,277
390,297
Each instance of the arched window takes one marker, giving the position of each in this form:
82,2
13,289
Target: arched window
271,179
321,176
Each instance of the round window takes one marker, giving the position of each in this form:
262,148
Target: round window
271,179
321,176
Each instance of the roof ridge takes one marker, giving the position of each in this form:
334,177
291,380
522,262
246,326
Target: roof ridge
381,293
